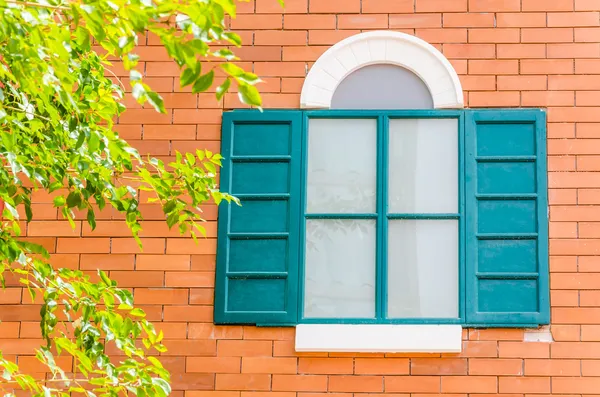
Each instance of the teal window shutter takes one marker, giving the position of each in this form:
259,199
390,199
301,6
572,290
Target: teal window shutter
257,250
506,218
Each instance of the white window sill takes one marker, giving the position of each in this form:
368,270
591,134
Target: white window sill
378,338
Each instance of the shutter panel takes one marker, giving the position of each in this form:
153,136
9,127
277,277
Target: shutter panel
257,250
506,218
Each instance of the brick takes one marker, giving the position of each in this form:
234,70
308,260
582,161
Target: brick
217,365
310,383
130,246
161,296
562,196
582,315
564,298
541,5
441,5
385,6
494,5
589,368
406,21
438,366
484,366
367,21
269,333
269,365
334,6
469,384
523,349
590,333
574,50
574,281
588,196
326,366
586,66
254,382
189,279
300,21
478,83
494,99
566,333
328,37
468,20
86,245
575,385
211,331
469,51
523,83
343,383
552,367
252,21
382,366
547,98
493,67
587,98
299,53
53,228
138,279
260,53
533,385
573,19
244,348
276,37
188,313
291,6
157,262
412,384
520,51
547,35
520,20
283,69
587,5
445,35
495,35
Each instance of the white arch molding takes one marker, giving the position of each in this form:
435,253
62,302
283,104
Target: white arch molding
379,47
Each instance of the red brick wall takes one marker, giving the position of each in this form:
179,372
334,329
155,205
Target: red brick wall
540,53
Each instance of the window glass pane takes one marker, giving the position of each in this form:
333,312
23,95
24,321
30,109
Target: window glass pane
423,269
340,268
342,158
396,88
423,166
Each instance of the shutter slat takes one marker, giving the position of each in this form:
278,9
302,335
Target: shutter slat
258,247
507,221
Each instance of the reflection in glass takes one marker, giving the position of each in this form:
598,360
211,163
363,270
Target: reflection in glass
423,166
342,166
340,268
423,269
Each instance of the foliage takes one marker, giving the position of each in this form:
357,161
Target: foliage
58,105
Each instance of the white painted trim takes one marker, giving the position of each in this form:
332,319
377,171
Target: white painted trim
378,338
377,47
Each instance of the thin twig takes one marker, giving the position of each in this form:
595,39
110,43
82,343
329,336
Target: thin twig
116,77
26,112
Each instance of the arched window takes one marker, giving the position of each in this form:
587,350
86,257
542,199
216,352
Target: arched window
383,204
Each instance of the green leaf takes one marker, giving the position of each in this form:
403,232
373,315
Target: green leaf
189,75
137,312
223,88
156,101
249,95
204,82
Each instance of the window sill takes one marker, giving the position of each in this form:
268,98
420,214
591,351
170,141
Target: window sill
381,338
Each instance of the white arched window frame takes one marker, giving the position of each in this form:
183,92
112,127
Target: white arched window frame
382,47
